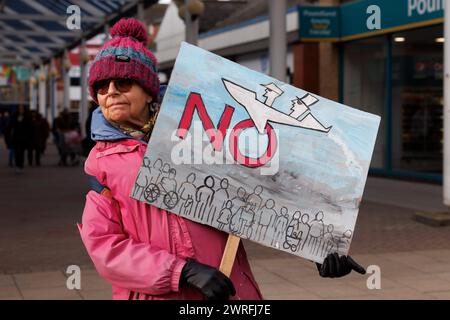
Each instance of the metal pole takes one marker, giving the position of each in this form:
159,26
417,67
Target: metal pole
53,95
42,90
66,80
187,23
277,39
55,99
195,29
140,11
84,87
48,89
191,26
106,31
33,93
446,164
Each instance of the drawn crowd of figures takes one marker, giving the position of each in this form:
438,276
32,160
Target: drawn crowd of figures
245,214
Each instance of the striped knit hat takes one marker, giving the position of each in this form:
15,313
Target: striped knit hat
126,56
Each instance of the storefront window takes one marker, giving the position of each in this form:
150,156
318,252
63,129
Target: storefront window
364,84
417,97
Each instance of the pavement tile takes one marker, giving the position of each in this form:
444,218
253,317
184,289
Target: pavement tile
403,293
419,261
433,268
40,280
55,293
295,273
439,295
443,275
358,297
96,294
278,288
312,279
301,295
424,283
335,291
91,280
263,276
394,269
283,264
6,280
438,254
10,293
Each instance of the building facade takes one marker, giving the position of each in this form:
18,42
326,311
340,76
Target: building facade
395,70
380,56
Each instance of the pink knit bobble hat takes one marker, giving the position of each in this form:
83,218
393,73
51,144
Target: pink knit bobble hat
126,56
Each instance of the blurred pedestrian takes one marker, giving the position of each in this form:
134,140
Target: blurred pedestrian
44,129
61,125
72,144
20,134
2,124
7,137
39,135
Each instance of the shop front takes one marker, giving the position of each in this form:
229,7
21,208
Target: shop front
396,71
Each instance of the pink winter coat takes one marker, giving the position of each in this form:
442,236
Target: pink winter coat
139,248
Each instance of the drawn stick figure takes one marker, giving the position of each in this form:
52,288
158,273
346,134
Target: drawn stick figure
316,232
187,192
266,215
225,215
204,197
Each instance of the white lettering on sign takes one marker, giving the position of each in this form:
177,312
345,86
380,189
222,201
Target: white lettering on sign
321,13
374,20
421,7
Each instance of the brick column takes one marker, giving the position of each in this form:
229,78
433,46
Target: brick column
306,66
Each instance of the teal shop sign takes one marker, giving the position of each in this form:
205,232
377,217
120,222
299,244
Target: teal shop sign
373,17
367,18
319,23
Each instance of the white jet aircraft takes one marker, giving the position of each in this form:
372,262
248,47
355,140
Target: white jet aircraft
261,113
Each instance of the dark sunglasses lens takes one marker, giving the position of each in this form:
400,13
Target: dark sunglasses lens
123,85
102,86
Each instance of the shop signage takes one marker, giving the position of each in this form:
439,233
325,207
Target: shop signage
366,18
319,23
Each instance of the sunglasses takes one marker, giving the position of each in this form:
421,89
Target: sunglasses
122,85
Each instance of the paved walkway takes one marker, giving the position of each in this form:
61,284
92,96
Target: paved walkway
39,240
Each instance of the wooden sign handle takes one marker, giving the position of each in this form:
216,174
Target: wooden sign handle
226,265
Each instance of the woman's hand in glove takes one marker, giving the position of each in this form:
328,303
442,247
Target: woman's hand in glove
335,266
210,281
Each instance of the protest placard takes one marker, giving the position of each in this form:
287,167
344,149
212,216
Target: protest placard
257,158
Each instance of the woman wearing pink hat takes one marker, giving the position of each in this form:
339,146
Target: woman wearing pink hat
143,251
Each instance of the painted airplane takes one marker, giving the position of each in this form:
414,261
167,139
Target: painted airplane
262,113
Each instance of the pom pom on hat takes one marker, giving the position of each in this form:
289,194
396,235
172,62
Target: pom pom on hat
130,28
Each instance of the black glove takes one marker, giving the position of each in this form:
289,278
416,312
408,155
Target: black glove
210,281
335,267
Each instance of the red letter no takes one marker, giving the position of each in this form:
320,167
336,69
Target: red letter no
216,136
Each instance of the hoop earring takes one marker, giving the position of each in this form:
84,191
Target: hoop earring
153,106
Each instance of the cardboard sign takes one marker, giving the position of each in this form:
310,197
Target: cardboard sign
255,157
